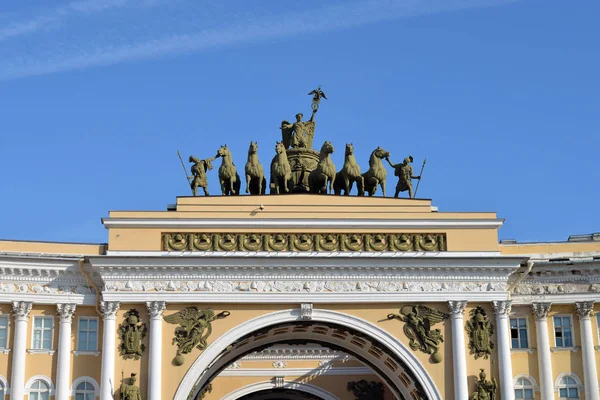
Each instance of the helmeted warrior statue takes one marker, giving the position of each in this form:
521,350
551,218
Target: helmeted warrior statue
131,391
199,174
485,390
404,172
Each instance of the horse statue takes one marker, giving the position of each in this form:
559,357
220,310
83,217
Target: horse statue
255,176
281,172
350,173
228,176
324,173
376,174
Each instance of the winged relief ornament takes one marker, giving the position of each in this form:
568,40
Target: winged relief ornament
480,330
193,330
418,320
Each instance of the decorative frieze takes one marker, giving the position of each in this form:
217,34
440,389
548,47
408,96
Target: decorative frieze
44,289
365,242
65,312
301,286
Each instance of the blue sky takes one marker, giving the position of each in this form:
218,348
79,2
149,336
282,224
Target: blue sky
97,96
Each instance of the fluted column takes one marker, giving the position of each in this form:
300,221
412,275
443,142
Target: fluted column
155,310
590,373
459,357
540,312
109,313
63,369
502,309
21,310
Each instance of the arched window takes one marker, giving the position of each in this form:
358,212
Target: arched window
568,388
39,390
2,390
524,389
85,391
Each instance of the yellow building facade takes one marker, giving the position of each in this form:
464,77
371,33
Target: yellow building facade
300,297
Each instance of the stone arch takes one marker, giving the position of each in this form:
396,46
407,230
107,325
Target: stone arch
390,360
266,385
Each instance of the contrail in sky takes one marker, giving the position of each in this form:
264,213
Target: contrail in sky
90,33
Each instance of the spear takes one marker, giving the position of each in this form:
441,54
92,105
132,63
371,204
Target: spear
421,175
184,170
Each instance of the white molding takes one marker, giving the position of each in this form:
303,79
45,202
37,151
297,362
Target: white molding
535,386
299,386
292,298
4,350
580,385
527,350
40,298
43,378
41,351
572,349
555,299
86,353
87,379
302,223
4,384
206,359
317,371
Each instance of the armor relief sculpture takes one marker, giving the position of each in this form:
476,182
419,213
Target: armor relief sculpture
132,331
480,331
193,330
418,322
485,389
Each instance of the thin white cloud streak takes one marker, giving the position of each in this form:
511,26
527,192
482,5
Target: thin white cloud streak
55,16
250,30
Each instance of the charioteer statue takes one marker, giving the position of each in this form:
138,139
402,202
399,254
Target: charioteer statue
404,172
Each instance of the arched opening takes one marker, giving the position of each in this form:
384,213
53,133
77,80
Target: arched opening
279,394
384,354
290,391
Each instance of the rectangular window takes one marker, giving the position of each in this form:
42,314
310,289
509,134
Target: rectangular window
3,331
87,337
518,333
42,333
563,332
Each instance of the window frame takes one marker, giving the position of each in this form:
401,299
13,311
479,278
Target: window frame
5,387
33,329
573,343
77,349
533,384
85,379
42,378
527,330
4,349
578,385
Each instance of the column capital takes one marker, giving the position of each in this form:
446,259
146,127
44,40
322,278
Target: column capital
502,308
457,307
65,312
156,309
109,309
21,310
540,310
584,309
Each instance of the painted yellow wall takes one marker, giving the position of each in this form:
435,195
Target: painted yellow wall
17,246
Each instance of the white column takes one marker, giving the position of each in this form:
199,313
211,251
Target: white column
63,368
540,312
502,309
109,313
155,309
590,373
21,310
459,357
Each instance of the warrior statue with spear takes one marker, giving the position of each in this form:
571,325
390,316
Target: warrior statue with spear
404,172
198,178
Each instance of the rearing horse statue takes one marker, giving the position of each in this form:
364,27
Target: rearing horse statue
228,176
324,173
350,173
255,176
376,174
281,172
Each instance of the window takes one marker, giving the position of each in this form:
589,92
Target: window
563,332
39,390
598,325
3,332
87,339
518,335
524,389
2,390
85,391
42,333
568,388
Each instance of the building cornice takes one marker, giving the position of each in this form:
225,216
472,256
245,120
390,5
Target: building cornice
302,223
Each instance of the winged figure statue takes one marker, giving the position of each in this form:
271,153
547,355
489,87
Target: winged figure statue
418,320
193,330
